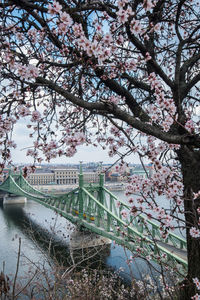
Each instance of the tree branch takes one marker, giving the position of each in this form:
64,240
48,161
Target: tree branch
106,109
151,62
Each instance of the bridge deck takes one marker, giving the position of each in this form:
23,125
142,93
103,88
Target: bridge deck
182,253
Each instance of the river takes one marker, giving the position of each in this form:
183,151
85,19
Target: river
36,225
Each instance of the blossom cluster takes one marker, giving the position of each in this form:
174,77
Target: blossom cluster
27,72
196,297
163,104
197,283
194,232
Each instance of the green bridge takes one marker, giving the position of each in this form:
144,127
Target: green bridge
98,210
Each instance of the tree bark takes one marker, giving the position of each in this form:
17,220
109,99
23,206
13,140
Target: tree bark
190,166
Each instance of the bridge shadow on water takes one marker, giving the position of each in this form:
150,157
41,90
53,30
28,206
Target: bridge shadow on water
56,248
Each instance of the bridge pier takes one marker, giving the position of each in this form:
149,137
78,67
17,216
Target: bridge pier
81,239
13,199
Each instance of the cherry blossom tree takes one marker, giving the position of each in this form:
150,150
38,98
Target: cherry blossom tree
119,74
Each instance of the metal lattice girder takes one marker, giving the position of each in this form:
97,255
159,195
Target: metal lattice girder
10,186
25,185
143,224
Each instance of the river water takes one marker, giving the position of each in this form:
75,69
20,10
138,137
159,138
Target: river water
36,225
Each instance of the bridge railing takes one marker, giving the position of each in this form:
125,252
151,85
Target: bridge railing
146,226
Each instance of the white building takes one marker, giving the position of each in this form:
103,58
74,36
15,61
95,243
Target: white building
55,176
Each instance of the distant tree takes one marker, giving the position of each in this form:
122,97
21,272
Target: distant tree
122,74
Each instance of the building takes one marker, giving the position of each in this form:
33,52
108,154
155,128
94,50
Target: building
53,176
91,177
61,176
41,177
66,176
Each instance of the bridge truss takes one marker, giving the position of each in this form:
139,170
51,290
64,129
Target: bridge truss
98,210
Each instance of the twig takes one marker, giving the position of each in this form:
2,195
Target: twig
24,287
17,269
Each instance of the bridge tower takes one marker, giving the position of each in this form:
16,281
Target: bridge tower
11,198
101,193
82,238
80,193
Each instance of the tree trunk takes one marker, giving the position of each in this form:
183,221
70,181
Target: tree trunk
190,167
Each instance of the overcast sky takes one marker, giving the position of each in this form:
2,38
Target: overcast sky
84,153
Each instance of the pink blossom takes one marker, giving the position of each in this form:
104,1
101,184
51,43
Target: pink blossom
194,232
196,195
197,283
78,138
23,110
30,72
28,170
167,220
106,52
36,116
131,200
122,16
71,151
98,28
114,99
121,3
190,126
21,70
19,35
52,145
136,27
78,30
124,213
166,124
56,8
65,18
196,297
118,203
148,4
107,39
62,28
32,153
148,56
95,48
51,10
120,39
